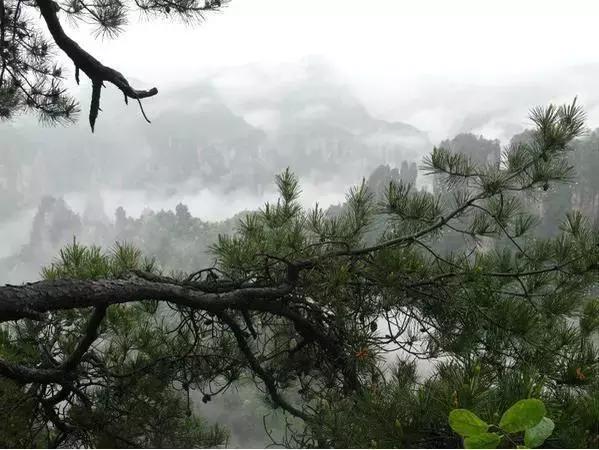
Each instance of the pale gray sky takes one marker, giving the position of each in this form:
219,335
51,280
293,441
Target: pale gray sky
395,53
388,39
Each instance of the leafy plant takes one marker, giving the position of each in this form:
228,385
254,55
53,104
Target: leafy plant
526,416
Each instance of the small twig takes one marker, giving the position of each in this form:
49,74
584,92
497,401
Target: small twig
140,107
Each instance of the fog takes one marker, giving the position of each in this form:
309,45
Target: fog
331,89
216,144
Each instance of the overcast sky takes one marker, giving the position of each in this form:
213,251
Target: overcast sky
395,53
465,39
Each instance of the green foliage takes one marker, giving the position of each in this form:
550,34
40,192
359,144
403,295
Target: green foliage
156,417
31,78
404,413
16,409
466,423
482,440
504,315
525,415
522,415
589,320
128,406
498,308
535,436
79,261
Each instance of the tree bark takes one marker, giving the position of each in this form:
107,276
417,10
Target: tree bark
34,299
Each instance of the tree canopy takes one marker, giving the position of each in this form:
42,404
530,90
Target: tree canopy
315,308
31,78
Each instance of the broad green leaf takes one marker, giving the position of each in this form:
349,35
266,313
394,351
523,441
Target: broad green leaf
535,436
521,446
466,423
482,440
522,415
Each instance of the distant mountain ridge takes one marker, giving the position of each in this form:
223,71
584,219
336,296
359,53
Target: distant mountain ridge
200,139
177,239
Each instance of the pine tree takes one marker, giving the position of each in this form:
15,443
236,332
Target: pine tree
30,77
304,305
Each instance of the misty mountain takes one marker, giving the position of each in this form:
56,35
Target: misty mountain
174,238
198,139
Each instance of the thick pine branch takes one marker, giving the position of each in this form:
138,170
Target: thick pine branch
18,302
94,69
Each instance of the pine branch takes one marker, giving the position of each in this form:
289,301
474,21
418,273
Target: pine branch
90,335
94,69
259,370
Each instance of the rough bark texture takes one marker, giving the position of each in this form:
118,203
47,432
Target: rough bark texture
94,69
29,375
32,299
